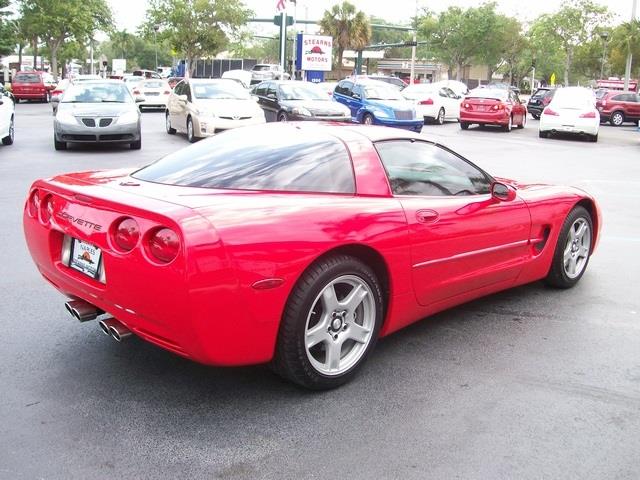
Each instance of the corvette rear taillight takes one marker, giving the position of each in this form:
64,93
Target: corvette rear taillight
164,245
46,209
126,234
428,101
33,204
548,111
588,115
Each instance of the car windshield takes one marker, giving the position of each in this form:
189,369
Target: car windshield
571,99
133,79
302,92
153,84
414,91
494,94
260,68
381,92
97,93
225,90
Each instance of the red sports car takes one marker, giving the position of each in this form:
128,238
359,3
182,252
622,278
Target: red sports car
297,244
493,106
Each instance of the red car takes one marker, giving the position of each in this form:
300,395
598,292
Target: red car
297,244
619,107
493,106
34,85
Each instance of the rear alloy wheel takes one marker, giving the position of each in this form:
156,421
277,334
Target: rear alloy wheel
8,140
282,117
190,132
572,250
167,124
330,324
440,117
537,117
464,125
617,119
367,119
508,126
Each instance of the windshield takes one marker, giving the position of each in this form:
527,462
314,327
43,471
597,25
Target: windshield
574,99
153,84
97,93
382,92
489,93
302,92
260,68
416,91
219,91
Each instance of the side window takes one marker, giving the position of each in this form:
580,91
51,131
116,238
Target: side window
271,90
619,98
187,92
179,89
443,93
357,90
344,88
261,89
421,168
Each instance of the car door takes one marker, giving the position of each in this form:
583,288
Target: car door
356,102
462,239
177,107
342,94
270,101
451,103
634,106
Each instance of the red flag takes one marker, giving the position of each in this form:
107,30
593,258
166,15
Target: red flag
281,5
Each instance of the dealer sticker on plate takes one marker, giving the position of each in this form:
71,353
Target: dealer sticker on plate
85,258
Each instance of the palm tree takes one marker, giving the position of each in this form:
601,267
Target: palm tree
349,28
122,41
626,37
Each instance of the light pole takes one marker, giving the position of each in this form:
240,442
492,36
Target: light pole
605,37
155,43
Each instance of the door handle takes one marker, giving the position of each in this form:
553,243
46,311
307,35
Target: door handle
427,216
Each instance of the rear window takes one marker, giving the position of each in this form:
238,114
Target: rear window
496,94
154,84
261,158
27,78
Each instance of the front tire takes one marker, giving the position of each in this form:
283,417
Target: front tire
536,117
367,119
593,138
330,324
523,123
191,136
573,250
8,140
282,117
542,134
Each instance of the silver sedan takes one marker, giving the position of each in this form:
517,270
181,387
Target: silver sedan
97,112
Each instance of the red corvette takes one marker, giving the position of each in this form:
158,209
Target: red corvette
298,245
493,106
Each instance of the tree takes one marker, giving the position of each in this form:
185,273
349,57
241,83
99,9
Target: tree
452,37
7,29
627,38
57,22
196,28
571,26
349,28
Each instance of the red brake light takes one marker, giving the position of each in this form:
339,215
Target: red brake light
466,105
588,115
164,245
548,111
56,92
46,209
33,204
497,107
428,101
604,103
126,234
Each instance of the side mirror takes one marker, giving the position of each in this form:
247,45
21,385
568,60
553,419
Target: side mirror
271,96
139,99
502,192
183,98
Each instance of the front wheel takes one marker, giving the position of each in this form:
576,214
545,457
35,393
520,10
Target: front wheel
330,323
542,134
282,117
573,249
8,140
593,138
367,119
536,117
191,136
137,145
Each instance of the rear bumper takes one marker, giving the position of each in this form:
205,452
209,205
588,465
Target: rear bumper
30,96
581,126
487,118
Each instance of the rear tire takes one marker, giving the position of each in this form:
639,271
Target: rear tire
537,117
136,145
523,123
324,338
508,126
593,138
440,117
464,125
542,134
572,251
617,119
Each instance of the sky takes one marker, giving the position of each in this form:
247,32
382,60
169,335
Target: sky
130,13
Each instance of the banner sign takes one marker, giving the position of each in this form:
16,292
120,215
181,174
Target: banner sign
316,52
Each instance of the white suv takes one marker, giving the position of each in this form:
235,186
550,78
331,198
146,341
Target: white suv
267,71
7,110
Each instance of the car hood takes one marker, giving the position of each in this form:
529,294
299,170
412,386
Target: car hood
317,107
96,109
228,107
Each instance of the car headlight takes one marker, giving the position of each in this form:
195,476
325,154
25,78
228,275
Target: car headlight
204,113
66,118
301,111
129,117
378,112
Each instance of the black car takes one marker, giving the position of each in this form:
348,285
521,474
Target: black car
284,100
539,100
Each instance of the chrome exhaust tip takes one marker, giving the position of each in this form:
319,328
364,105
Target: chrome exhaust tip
115,329
82,311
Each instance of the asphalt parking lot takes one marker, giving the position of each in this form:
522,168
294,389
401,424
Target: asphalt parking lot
529,383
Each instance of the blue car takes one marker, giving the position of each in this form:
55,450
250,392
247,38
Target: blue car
376,103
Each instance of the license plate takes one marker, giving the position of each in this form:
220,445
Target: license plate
85,258
151,94
481,108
